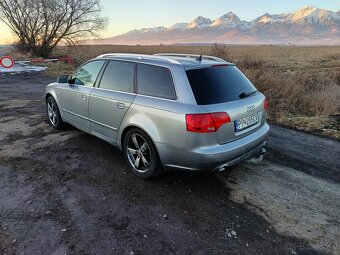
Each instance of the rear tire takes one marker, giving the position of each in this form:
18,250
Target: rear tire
141,154
53,113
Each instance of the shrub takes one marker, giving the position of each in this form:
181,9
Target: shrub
221,51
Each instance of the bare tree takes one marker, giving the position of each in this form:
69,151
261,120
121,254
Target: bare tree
40,25
221,51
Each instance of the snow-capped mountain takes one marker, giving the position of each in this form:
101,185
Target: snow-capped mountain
308,25
226,21
151,30
312,15
267,18
181,25
199,22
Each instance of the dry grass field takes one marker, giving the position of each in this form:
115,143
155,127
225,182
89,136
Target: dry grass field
301,83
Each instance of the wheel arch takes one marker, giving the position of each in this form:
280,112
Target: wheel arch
53,94
129,127
48,95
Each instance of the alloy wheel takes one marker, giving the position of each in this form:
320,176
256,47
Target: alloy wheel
138,152
52,113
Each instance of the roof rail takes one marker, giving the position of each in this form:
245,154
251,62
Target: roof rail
120,54
139,56
195,56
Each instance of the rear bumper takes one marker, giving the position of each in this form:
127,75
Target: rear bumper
213,158
256,151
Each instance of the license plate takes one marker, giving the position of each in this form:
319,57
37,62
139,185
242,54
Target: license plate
246,122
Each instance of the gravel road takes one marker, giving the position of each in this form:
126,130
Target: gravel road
66,192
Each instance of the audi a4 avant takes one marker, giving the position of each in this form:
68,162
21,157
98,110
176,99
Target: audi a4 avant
164,111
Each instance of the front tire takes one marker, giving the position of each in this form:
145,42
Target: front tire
141,154
53,113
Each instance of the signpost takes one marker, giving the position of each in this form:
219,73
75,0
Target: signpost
6,62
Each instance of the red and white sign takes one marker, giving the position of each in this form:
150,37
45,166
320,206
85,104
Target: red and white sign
6,62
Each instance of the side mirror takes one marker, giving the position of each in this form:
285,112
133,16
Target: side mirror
63,79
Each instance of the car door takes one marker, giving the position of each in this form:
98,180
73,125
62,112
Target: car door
75,94
111,99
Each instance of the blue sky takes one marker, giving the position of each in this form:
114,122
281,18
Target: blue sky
125,15
130,14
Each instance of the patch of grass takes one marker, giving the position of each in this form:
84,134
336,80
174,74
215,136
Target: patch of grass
325,126
308,93
56,69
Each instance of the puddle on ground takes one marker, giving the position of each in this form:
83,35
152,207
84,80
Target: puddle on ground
21,68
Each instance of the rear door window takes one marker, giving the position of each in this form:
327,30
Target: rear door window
155,81
118,76
218,84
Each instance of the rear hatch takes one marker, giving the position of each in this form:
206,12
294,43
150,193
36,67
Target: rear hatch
224,88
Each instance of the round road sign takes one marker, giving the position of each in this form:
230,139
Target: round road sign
6,62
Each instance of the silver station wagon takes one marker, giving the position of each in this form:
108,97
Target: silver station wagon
164,111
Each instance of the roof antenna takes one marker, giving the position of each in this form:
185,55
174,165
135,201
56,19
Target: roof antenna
200,58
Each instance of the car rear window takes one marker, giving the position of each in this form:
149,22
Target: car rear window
218,84
155,81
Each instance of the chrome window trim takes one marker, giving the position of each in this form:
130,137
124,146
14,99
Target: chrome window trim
133,94
151,64
116,91
161,98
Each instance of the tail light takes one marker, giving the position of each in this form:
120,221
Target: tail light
207,122
265,104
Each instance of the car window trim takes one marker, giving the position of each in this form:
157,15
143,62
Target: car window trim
151,64
100,74
171,78
117,91
134,78
135,94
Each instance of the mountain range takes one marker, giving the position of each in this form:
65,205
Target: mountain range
307,26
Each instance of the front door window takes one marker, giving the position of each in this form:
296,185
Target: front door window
87,74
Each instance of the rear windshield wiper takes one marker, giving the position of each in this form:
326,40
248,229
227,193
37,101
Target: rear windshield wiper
243,94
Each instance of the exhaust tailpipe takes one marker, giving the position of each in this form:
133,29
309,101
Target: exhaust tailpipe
221,169
262,153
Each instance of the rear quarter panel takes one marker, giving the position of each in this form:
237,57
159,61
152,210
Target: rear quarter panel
162,120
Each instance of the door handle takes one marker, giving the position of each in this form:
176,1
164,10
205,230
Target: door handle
120,105
83,97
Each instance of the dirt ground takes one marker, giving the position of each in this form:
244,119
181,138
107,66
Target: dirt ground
66,192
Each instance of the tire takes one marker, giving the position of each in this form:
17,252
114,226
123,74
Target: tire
141,154
53,113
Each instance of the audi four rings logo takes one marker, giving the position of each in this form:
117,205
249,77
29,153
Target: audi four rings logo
251,108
